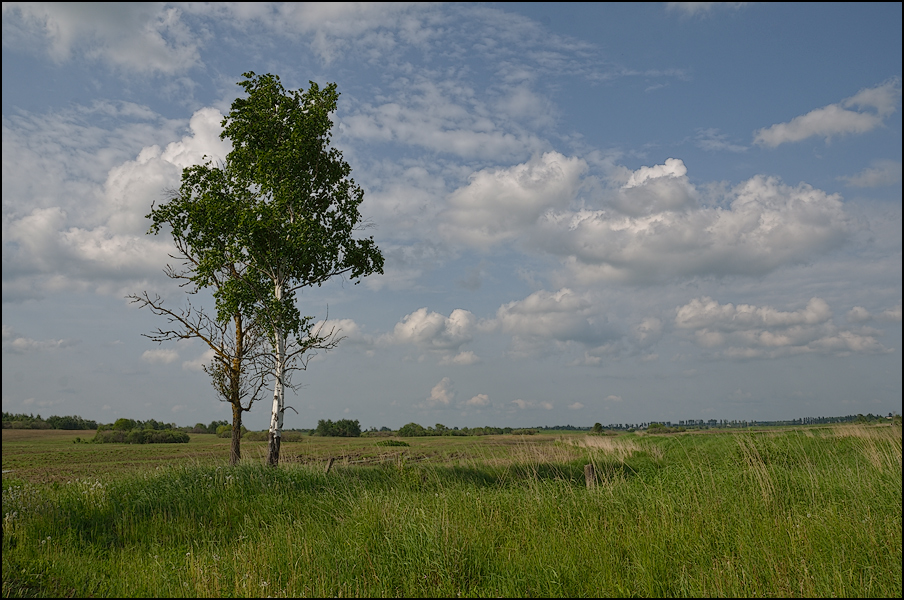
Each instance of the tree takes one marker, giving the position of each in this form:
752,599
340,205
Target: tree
239,367
283,210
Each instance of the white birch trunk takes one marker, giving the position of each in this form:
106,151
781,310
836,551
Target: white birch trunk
279,397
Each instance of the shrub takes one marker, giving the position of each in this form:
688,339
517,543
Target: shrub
392,443
140,436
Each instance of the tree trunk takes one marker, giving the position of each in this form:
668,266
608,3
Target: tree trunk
236,453
276,416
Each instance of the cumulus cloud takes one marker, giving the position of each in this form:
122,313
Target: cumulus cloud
15,343
858,315
196,364
347,330
82,234
160,356
138,36
656,189
837,119
612,398
666,236
882,173
576,406
498,204
553,317
478,401
748,331
437,335
441,395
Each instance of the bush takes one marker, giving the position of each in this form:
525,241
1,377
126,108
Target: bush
392,443
140,436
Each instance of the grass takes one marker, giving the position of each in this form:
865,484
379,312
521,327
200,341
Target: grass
809,512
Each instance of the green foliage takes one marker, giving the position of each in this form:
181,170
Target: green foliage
660,428
282,181
225,431
140,436
30,421
278,215
392,443
412,430
341,428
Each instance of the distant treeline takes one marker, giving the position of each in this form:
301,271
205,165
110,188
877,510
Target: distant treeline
415,430
23,421
131,431
341,428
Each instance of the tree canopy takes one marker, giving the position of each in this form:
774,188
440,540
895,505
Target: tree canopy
279,214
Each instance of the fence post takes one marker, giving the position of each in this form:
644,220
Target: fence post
589,476
329,465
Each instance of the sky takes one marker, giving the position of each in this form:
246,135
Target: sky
589,212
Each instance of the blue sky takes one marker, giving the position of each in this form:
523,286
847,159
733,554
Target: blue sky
589,212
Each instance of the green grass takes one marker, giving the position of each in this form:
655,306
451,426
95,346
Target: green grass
813,512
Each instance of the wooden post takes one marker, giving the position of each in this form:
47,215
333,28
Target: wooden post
589,476
329,465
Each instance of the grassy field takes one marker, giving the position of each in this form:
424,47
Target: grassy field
805,512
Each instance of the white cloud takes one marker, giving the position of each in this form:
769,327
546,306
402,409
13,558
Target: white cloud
748,331
525,404
435,333
882,173
612,398
347,330
462,359
892,315
443,117
16,343
767,225
498,204
548,317
837,119
196,364
160,356
656,189
137,36
478,401
83,235
858,315
441,395
576,406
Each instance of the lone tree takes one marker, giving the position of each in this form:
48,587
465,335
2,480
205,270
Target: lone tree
283,210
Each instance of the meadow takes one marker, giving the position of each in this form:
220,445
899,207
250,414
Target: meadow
813,511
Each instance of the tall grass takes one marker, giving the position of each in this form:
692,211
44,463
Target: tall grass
795,513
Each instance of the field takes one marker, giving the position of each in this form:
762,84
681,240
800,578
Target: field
785,512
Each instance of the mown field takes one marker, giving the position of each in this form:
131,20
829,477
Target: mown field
787,512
